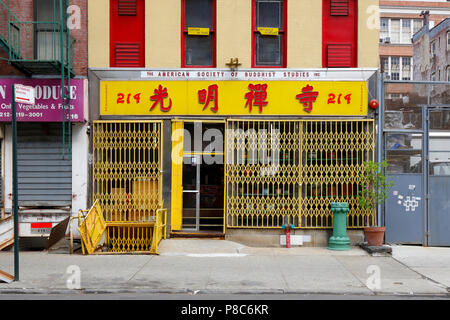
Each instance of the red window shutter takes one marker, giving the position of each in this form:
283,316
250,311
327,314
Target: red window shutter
127,55
127,33
339,8
339,55
340,34
127,8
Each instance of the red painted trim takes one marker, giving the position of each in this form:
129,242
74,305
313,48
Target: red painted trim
127,29
182,26
253,32
335,30
283,31
184,33
41,225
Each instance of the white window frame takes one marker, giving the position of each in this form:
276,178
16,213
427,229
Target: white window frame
401,40
389,69
413,22
400,30
410,68
406,41
388,28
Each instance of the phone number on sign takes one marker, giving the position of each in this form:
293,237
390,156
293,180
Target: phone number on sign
23,114
27,115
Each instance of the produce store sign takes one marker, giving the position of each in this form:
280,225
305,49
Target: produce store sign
47,106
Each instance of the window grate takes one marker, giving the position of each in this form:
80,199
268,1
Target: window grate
128,54
339,55
339,8
127,7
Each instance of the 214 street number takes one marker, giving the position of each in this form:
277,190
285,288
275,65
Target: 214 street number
332,98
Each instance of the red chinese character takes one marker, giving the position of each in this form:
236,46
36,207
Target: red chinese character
160,95
212,95
256,97
308,97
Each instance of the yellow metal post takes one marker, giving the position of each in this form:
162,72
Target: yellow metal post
177,175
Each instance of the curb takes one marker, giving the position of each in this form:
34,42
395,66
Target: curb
212,292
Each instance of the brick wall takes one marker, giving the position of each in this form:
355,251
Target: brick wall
81,38
24,11
442,55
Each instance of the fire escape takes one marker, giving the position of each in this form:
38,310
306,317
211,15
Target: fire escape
41,48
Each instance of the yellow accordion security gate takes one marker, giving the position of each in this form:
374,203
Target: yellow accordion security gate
127,181
289,171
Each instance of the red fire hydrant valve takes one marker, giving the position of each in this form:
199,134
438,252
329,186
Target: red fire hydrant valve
287,229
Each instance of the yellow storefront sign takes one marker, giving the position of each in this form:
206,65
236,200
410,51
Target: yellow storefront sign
244,98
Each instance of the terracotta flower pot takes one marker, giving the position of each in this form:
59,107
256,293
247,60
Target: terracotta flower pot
375,236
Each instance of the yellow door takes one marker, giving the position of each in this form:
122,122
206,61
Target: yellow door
198,175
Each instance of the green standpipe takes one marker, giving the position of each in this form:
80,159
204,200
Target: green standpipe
339,240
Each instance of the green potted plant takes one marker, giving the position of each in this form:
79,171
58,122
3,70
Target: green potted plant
374,191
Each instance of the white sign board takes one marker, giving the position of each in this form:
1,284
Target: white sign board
24,94
296,240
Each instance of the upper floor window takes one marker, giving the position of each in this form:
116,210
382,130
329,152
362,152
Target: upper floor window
406,31
406,68
433,49
269,33
398,68
398,31
384,28
448,40
417,25
46,30
395,31
395,68
199,33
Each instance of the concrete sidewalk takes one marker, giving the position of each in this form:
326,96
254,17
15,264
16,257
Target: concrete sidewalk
225,267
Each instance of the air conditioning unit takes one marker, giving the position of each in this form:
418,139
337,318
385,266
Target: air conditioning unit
387,40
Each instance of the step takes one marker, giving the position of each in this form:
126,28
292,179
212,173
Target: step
198,234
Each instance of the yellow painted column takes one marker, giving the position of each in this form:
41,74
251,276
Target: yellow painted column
234,32
304,34
177,175
368,33
163,33
98,33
